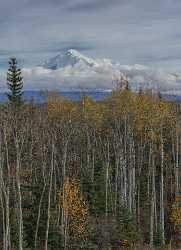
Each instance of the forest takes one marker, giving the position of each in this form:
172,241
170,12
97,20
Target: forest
100,175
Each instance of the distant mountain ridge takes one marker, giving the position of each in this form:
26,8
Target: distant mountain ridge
39,97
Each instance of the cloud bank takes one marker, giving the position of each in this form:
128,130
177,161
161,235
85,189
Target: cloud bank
74,71
71,70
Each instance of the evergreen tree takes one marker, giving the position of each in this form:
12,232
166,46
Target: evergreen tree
15,83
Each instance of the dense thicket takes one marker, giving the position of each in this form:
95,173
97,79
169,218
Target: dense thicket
90,175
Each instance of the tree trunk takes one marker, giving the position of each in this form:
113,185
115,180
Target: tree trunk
49,197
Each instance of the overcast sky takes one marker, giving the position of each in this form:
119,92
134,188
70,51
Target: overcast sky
130,31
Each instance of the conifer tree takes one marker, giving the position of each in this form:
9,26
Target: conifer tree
14,83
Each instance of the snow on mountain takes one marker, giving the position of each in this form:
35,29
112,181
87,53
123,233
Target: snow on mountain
69,58
72,70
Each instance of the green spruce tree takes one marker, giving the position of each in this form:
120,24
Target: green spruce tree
15,84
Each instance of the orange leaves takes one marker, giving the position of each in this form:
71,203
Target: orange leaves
74,207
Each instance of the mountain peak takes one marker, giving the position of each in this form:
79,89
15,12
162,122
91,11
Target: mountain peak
73,52
67,58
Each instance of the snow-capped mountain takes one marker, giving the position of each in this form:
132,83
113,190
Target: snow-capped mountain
72,70
69,58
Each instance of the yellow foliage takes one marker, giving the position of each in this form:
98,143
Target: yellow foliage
152,114
74,207
146,113
62,108
92,111
123,102
176,213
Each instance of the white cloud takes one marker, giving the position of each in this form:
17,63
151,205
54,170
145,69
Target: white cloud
100,75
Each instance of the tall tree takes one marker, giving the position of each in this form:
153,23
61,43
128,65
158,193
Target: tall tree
14,83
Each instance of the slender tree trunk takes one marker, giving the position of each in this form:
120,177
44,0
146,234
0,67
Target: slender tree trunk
153,201
63,215
107,178
39,214
177,166
3,197
7,194
18,184
49,198
162,212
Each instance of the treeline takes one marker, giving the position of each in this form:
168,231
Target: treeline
90,175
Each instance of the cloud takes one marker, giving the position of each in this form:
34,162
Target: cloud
101,76
93,5
131,31
66,79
